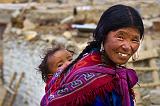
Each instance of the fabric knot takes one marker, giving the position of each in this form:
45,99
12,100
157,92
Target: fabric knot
124,80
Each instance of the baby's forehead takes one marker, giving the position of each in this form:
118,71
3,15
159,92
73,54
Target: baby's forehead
62,52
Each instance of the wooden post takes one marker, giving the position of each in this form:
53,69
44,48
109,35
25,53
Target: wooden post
152,62
9,96
2,29
5,92
12,99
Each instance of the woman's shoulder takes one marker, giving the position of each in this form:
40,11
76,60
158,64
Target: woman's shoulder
92,71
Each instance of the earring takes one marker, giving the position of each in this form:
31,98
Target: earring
135,56
102,48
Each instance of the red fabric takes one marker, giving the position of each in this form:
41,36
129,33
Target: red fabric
47,82
56,84
88,60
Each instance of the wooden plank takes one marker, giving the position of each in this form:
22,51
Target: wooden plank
6,1
147,85
148,54
2,30
146,69
155,74
3,97
12,98
3,93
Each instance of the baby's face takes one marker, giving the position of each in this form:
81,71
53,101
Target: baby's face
60,58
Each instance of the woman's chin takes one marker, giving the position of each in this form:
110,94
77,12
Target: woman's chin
121,62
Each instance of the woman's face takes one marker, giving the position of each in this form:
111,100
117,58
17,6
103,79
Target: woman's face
60,59
121,44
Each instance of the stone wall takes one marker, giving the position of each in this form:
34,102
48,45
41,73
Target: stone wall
21,56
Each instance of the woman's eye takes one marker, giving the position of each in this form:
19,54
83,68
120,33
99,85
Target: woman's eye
136,40
120,37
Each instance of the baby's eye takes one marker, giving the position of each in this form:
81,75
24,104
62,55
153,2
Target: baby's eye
60,65
70,59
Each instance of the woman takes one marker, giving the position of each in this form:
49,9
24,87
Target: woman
97,77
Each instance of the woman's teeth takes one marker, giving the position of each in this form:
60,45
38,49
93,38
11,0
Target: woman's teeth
123,55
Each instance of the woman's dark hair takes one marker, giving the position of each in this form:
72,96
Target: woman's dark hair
114,18
43,67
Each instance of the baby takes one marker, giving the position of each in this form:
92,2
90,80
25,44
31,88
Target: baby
54,59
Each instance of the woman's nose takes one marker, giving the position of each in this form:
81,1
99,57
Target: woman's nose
126,46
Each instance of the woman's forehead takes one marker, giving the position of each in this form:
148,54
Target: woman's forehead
129,30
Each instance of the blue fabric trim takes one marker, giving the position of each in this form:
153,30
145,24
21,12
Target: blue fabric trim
98,102
116,99
132,102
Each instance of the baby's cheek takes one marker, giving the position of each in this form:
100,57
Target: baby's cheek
65,64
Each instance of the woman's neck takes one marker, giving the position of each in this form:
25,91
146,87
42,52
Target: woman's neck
107,61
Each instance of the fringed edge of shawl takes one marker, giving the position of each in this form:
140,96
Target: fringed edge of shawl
86,94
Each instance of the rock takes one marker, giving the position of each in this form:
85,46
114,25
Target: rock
15,13
60,41
18,31
147,23
48,38
71,46
67,34
156,25
29,35
81,46
28,25
155,97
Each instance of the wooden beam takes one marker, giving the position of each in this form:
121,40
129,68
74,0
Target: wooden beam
147,85
12,98
2,29
41,1
144,69
148,54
